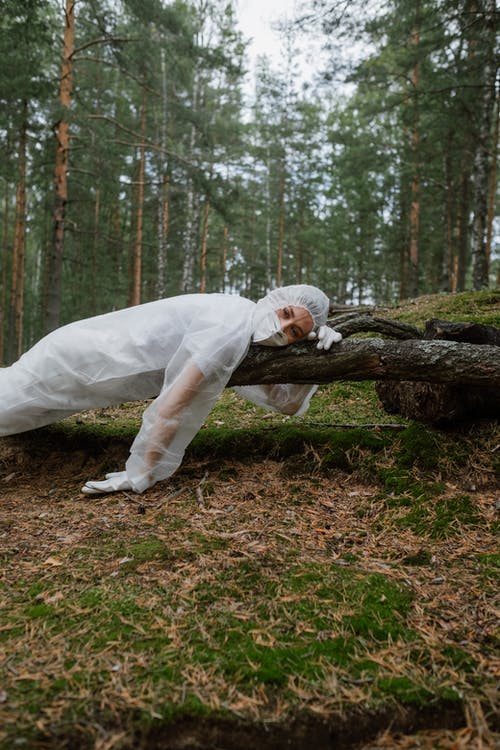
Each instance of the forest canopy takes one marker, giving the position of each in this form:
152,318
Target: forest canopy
136,165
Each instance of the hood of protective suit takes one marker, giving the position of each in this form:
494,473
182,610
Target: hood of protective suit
266,326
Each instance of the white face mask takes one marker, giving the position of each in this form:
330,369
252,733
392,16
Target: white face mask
267,328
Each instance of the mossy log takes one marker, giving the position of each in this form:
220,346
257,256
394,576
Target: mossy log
439,403
442,403
436,375
372,359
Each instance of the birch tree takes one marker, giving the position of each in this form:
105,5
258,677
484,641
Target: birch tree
55,258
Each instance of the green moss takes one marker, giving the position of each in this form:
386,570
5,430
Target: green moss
458,658
39,611
35,589
288,440
381,607
205,543
490,560
489,570
442,518
419,447
77,435
422,557
405,690
365,667
400,481
93,597
148,549
475,307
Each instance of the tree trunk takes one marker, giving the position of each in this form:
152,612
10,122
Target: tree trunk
189,244
136,268
468,333
441,403
415,151
224,258
163,227
95,247
268,221
449,265
18,249
164,198
372,359
281,223
404,251
55,259
462,232
5,254
487,39
493,187
204,239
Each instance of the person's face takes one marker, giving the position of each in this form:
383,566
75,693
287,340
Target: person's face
296,322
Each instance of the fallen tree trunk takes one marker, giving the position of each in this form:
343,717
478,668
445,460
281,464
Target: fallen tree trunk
439,403
373,359
469,333
442,403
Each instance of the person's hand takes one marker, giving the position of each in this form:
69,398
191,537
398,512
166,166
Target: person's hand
114,482
326,336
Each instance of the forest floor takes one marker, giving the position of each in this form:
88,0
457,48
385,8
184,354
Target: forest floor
296,584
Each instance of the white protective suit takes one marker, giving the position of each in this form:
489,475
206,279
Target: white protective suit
180,351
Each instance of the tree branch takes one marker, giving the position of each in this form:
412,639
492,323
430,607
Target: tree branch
106,40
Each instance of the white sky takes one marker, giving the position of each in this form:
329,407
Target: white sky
255,18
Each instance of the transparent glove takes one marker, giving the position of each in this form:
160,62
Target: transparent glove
114,482
326,336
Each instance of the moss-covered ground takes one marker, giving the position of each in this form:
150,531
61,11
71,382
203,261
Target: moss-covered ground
296,579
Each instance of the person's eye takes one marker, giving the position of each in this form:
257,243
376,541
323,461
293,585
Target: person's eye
286,312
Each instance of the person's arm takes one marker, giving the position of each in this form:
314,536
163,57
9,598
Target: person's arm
169,414
159,434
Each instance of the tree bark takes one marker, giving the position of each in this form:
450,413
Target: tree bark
493,186
55,260
3,283
204,240
469,333
224,258
18,249
487,38
441,403
415,182
281,222
189,238
136,268
164,197
372,359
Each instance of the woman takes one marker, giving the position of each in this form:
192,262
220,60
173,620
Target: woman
182,348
